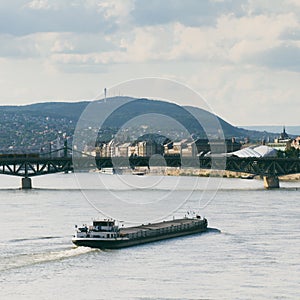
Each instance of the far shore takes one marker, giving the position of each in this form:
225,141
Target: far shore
168,171
292,177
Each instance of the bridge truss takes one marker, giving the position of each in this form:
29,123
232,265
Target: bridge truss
36,166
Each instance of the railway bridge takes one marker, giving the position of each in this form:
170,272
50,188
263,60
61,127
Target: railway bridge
27,166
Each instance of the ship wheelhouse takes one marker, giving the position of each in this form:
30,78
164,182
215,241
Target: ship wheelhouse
104,226
105,229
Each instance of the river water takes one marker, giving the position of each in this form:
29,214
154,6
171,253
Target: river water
256,255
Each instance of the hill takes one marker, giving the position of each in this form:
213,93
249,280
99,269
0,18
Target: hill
31,128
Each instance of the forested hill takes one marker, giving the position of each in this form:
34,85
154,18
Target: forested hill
29,127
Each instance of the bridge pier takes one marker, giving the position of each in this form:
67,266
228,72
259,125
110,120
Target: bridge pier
26,183
271,182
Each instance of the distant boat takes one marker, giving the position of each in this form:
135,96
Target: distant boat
105,234
139,173
247,176
109,171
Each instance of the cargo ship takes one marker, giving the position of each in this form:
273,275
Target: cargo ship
106,234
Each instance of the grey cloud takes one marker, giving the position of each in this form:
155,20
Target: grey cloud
83,68
11,46
285,57
291,34
188,12
263,7
274,7
43,45
19,20
87,43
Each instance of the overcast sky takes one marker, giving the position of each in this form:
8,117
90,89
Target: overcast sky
242,56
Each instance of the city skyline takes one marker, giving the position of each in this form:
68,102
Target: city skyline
241,56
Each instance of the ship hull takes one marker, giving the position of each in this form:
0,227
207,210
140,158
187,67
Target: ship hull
125,242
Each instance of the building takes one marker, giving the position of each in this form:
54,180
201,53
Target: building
296,143
284,135
175,147
184,148
282,143
189,150
148,148
217,146
201,147
123,150
107,149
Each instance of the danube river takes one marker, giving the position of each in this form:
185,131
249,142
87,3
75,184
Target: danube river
256,255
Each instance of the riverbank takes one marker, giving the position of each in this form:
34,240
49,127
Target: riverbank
292,177
169,171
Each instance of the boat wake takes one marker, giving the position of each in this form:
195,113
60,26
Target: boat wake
34,239
25,260
213,230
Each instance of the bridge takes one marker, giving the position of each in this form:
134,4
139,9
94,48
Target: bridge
269,168
28,166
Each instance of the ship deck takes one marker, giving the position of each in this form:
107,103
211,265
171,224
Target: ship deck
160,225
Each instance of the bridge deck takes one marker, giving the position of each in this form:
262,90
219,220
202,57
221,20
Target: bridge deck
35,166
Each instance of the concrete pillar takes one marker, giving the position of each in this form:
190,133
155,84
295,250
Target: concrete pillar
271,182
26,183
